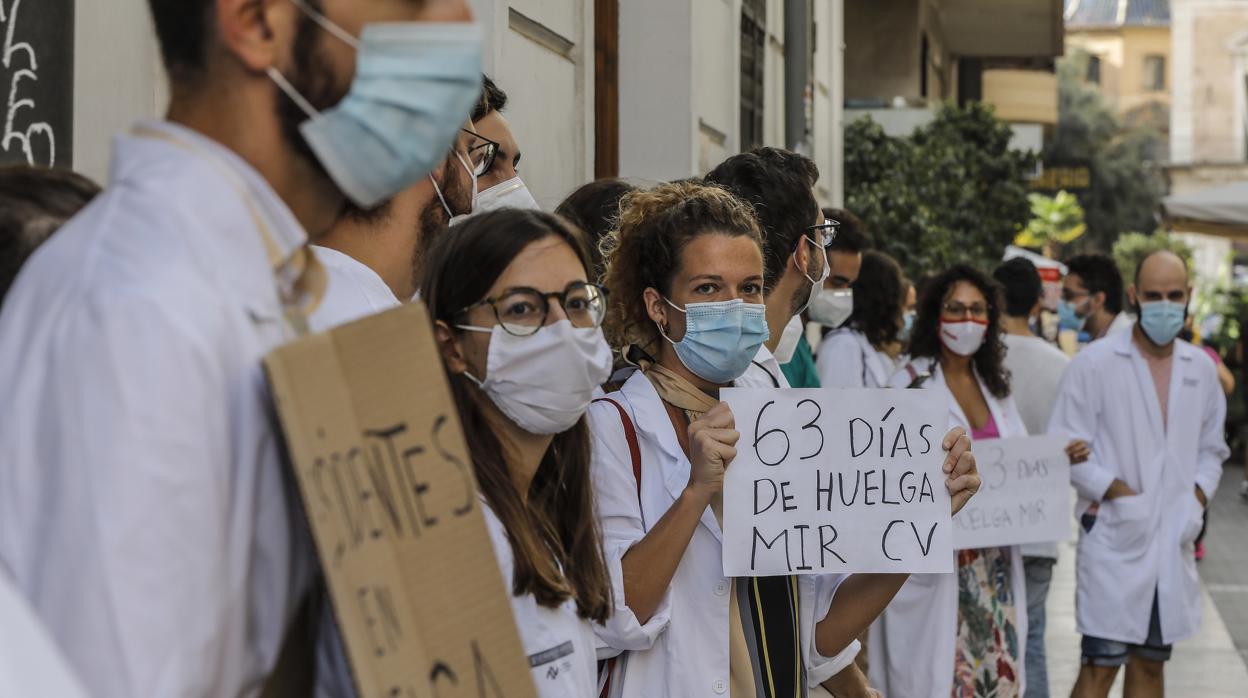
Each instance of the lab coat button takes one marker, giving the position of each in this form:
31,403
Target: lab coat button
720,686
721,588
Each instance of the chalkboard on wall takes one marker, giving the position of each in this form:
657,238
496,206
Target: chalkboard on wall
37,82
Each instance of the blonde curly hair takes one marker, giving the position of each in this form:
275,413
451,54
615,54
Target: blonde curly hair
644,251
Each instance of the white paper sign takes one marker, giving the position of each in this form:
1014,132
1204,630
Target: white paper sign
1024,497
837,481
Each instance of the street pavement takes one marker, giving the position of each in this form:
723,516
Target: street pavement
1214,664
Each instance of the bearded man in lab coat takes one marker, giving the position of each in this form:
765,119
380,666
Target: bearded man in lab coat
1151,407
143,509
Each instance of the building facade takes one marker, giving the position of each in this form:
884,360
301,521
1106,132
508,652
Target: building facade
647,89
906,57
1127,44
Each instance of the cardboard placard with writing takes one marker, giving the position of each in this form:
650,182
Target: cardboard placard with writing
837,481
389,493
1024,498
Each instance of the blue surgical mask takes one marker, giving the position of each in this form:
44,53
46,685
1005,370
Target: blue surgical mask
721,339
415,84
1068,318
907,326
1162,321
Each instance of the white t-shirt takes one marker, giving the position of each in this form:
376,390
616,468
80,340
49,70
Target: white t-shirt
559,643
1036,369
355,291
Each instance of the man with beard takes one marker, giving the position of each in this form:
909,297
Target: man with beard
143,511
374,257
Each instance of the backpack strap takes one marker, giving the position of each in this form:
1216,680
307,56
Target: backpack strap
630,435
607,667
916,379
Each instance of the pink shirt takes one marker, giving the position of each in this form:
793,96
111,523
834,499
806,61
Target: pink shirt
1160,368
988,431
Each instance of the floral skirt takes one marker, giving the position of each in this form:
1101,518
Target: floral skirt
988,643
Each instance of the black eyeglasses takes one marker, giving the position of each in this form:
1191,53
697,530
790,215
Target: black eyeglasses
825,231
482,154
522,311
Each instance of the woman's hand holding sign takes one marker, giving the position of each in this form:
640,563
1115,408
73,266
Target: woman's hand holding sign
963,477
712,446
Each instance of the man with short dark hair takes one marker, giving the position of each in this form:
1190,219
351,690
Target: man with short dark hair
1153,411
1092,297
145,512
500,182
1036,369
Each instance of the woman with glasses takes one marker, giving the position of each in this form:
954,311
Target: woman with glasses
973,624
685,271
518,327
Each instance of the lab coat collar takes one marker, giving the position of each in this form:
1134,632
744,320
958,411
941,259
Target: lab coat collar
1124,344
957,417
653,424
222,178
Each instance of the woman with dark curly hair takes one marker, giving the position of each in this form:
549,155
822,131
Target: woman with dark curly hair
863,353
974,622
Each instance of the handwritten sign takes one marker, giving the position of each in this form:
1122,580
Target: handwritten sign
829,481
1024,498
37,82
390,495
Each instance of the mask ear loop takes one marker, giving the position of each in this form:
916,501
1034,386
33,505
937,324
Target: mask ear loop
662,332
289,90
341,34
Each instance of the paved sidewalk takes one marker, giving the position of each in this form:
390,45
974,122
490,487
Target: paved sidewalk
1208,665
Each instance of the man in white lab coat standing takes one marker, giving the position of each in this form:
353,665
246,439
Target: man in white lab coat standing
144,512
1152,409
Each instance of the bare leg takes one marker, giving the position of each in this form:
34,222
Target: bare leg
1145,679
1094,681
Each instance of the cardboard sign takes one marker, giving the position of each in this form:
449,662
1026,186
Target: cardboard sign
390,495
1024,497
836,481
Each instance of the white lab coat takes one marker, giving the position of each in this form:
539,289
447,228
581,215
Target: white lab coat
847,360
559,644
1143,543
682,651
144,510
927,605
355,291
30,663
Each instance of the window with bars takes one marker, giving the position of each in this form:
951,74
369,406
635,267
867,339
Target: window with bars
753,48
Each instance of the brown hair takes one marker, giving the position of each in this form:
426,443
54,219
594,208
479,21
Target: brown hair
554,537
654,228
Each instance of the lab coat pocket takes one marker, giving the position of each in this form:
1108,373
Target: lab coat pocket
1194,521
1125,523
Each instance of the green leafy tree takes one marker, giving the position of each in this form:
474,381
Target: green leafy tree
1126,185
953,191
1055,220
1131,248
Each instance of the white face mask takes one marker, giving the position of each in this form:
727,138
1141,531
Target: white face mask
832,307
963,338
451,218
816,285
510,194
544,382
789,340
